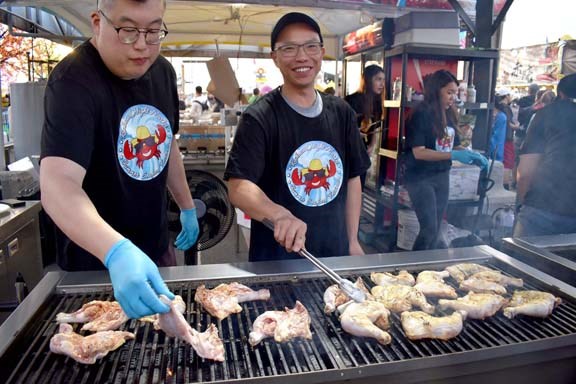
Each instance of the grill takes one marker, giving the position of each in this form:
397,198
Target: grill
553,254
492,346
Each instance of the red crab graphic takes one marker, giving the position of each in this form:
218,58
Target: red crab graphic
146,145
315,176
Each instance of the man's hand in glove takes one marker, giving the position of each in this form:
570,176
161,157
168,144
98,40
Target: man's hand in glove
470,157
136,280
190,229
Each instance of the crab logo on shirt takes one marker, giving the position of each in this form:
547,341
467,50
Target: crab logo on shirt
314,173
446,143
144,142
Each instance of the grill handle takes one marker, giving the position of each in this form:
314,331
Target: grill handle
346,285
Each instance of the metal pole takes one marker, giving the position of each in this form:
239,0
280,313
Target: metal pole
2,159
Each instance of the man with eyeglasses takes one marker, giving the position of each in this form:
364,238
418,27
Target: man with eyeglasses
297,157
109,153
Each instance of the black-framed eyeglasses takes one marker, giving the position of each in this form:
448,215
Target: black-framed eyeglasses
291,50
129,35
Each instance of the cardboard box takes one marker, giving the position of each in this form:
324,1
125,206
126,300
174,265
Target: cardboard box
427,20
196,137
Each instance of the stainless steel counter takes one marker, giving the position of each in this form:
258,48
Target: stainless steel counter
20,250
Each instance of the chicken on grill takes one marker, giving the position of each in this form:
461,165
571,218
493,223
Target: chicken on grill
531,303
206,344
431,283
98,316
179,304
86,349
476,305
334,296
282,325
490,282
223,300
385,278
419,325
461,272
400,298
367,319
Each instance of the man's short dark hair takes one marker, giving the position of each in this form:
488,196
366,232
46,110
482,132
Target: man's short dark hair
567,86
293,18
198,89
533,88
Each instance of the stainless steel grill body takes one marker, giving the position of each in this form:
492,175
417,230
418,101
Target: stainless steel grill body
554,255
496,349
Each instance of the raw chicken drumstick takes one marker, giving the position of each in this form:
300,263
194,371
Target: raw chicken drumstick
98,316
223,300
86,350
282,325
206,344
179,304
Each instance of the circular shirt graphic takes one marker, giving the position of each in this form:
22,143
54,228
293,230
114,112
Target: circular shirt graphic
144,142
314,173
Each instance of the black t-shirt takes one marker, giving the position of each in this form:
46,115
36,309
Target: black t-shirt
552,134
420,133
356,101
302,164
120,131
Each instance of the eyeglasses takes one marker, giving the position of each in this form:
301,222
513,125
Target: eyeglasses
291,50
129,35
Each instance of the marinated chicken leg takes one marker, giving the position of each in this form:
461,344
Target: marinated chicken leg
282,325
179,304
461,272
206,344
367,319
431,283
384,279
400,298
223,300
98,316
419,325
498,277
476,305
482,286
334,296
531,303
86,350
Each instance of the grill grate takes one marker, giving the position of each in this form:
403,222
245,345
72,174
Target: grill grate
154,358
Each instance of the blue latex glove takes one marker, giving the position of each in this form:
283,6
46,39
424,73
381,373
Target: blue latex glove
470,157
190,229
136,280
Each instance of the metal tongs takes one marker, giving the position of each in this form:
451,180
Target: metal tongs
347,286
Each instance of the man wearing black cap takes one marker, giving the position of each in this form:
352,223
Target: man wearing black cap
546,177
297,156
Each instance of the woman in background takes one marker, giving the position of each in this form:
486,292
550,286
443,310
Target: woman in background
498,136
367,103
432,144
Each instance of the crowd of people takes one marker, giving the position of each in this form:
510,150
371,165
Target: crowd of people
298,159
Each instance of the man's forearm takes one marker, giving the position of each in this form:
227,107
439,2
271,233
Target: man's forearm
353,208
177,183
253,201
73,212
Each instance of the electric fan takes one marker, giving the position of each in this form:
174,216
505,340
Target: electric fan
214,210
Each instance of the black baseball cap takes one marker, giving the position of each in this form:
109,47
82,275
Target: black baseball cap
293,18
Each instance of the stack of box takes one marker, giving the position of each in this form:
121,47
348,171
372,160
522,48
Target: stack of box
432,28
464,181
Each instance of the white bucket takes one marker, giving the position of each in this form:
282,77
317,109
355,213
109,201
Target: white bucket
408,228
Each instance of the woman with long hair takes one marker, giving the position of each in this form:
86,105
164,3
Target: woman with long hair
367,102
432,144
